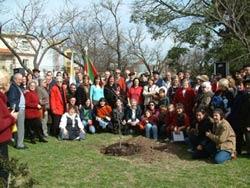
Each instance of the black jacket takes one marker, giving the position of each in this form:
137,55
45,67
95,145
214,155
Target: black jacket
138,113
14,96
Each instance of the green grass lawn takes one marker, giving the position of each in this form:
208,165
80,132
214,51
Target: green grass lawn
80,164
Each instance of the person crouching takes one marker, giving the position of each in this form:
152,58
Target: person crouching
71,127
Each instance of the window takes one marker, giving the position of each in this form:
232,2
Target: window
25,45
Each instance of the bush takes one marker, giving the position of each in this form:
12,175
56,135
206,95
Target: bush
19,174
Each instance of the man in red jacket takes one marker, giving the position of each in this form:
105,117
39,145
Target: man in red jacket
7,120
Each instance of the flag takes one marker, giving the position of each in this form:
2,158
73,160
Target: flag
72,70
89,68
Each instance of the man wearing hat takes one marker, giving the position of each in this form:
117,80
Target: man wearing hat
158,81
200,79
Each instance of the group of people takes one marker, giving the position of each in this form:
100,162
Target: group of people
211,112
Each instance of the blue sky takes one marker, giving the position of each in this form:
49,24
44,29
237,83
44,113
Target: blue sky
55,5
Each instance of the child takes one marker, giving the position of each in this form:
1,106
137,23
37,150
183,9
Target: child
71,127
169,120
103,114
181,120
161,120
149,124
86,116
163,100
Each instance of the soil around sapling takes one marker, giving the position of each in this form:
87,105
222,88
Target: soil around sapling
146,149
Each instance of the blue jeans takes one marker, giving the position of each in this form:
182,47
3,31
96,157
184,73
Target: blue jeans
221,156
90,128
151,130
103,124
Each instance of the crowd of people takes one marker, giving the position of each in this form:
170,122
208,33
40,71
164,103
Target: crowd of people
211,112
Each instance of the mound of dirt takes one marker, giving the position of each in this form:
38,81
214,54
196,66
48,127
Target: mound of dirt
146,149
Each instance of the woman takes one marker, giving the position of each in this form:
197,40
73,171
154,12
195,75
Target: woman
222,137
71,127
96,91
149,125
152,108
112,91
186,96
103,114
33,114
223,98
118,117
150,91
133,117
135,92
197,134
7,120
58,104
173,88
29,77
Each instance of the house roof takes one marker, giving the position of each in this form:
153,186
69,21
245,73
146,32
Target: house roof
5,51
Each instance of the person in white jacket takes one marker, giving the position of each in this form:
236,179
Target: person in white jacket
71,127
150,91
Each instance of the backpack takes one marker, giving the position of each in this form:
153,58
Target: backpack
219,101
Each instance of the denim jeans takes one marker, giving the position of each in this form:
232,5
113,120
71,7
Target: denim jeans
151,130
103,124
90,128
221,156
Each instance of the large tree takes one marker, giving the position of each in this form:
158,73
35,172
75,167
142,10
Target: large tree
42,32
203,23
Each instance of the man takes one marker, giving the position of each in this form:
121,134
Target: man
168,79
244,114
158,81
120,80
129,83
16,102
50,81
36,75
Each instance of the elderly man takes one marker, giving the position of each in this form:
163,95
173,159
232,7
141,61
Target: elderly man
16,102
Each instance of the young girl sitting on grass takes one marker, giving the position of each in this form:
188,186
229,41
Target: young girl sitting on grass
180,121
86,116
71,127
149,125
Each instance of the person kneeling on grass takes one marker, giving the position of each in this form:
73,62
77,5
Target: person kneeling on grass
71,127
223,145
197,134
149,125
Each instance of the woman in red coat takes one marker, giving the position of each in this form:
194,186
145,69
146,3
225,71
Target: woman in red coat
135,92
33,114
7,120
186,96
58,103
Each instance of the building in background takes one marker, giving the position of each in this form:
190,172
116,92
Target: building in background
51,61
